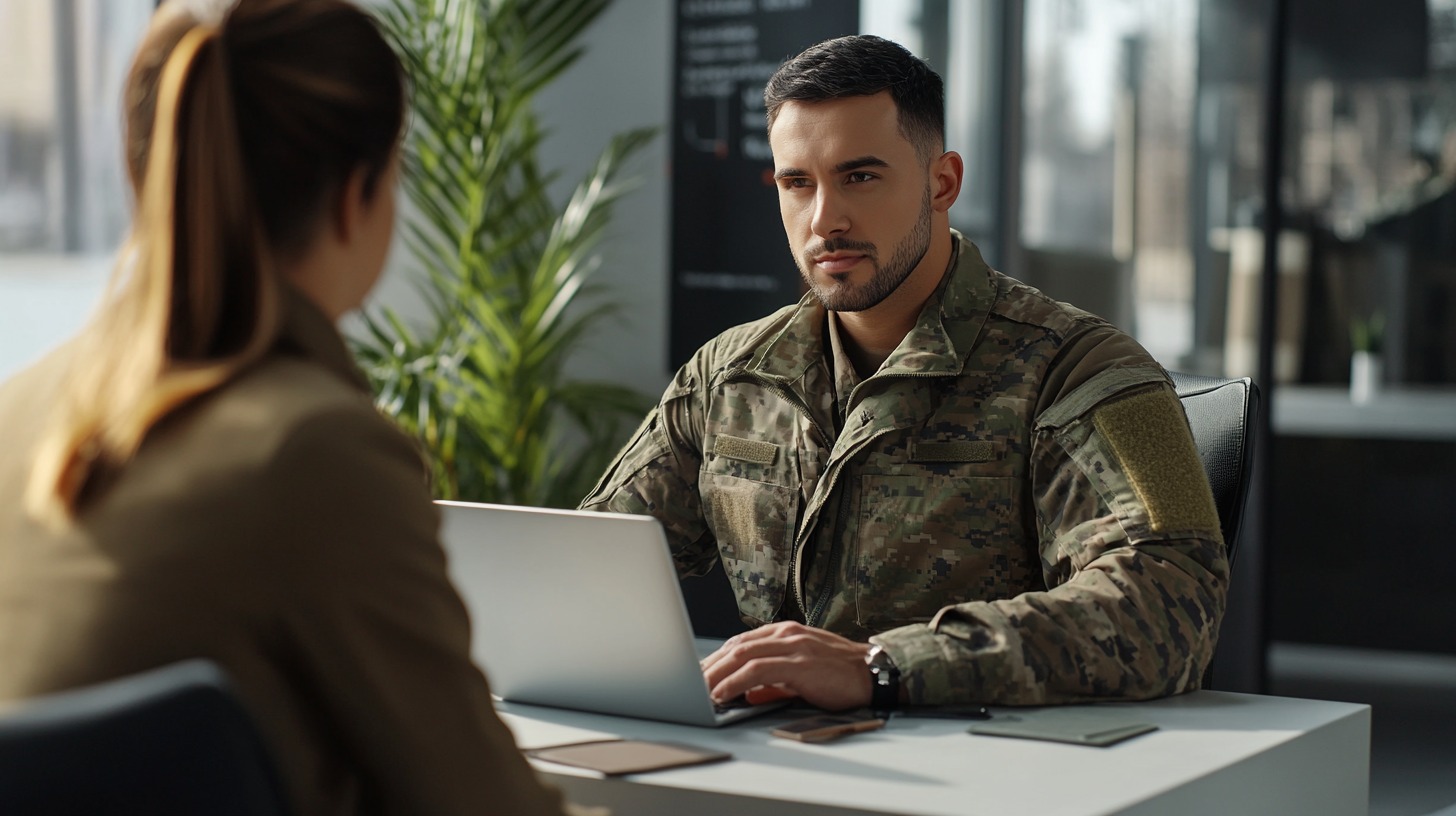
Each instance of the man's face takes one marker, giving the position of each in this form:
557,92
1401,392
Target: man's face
854,195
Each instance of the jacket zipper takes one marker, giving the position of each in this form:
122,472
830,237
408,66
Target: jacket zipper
811,618
796,561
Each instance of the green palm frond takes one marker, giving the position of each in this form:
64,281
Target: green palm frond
504,272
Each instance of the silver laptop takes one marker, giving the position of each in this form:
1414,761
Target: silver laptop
579,610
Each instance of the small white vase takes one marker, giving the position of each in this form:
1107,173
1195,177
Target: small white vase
1367,374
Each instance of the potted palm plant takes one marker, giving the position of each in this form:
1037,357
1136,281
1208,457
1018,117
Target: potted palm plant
504,272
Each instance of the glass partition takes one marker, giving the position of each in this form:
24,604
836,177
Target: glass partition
62,187
1107,111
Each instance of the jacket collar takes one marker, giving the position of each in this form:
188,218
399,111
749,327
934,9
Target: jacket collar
308,332
938,344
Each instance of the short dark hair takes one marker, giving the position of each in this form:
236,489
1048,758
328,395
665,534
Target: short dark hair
864,65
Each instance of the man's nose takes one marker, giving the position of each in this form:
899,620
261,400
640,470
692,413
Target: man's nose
831,217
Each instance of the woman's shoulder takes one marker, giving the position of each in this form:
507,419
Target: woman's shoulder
299,382
282,391
281,403
290,440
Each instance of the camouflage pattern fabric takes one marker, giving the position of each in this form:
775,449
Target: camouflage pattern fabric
1012,505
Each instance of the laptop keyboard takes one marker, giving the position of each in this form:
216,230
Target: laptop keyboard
740,701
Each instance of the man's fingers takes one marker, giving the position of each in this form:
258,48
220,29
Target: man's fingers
730,644
793,660
767,694
742,648
761,671
730,660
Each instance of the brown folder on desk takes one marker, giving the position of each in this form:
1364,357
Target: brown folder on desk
615,757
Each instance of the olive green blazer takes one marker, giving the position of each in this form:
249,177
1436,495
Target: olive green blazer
283,528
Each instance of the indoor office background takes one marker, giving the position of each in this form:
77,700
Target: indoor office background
1118,156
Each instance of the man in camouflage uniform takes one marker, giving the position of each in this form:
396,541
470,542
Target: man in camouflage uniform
999,490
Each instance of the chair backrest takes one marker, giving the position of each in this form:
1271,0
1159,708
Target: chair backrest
173,740
1221,413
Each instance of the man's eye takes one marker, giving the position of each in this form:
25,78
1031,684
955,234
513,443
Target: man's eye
795,183
860,178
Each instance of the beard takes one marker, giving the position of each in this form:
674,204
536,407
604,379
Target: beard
843,296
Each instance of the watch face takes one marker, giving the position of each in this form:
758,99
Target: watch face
878,658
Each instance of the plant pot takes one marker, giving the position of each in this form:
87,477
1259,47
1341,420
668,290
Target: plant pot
1367,376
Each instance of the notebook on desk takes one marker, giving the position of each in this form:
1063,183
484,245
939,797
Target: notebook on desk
579,610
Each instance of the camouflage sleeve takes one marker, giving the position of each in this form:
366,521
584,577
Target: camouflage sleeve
656,474
1132,555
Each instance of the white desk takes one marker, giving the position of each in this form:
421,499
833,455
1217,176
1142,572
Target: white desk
1215,753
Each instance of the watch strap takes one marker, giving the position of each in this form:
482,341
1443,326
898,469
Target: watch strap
884,682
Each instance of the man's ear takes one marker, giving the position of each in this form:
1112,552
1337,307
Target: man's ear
350,203
946,173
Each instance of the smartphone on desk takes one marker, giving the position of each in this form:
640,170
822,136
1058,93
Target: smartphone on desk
826,727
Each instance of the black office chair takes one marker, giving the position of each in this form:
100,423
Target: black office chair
166,742
1221,413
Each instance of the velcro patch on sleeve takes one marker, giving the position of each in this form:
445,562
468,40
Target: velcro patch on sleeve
1150,436
746,450
966,450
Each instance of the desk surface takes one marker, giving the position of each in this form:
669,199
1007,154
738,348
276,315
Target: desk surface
1214,752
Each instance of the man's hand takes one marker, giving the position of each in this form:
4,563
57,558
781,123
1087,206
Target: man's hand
791,660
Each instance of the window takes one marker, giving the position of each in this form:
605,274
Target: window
1108,106
63,198
62,186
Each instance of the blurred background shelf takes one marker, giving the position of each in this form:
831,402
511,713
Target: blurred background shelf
1399,412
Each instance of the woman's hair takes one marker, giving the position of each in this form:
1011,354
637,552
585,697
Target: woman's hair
242,125
864,65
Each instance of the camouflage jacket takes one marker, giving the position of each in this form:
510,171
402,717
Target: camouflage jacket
1012,504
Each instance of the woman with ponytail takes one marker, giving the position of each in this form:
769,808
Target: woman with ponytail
201,472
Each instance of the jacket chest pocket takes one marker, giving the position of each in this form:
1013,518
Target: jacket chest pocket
927,541
753,523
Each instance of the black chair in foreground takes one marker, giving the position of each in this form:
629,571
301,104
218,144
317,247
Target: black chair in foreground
1221,413
166,742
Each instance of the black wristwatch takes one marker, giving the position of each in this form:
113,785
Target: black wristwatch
884,681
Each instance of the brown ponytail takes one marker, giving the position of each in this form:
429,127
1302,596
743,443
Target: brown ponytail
238,134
